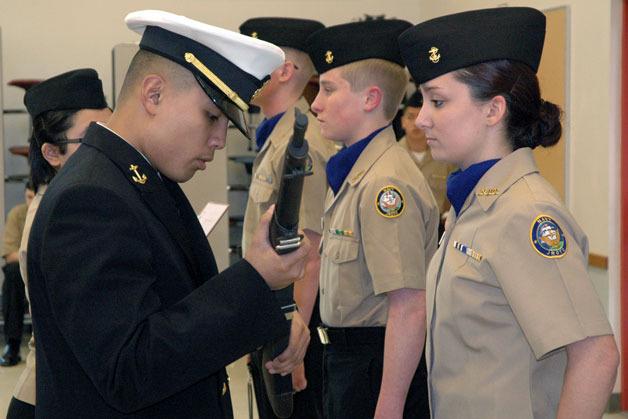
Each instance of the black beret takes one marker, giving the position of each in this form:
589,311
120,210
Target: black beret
281,31
415,100
338,45
77,89
460,40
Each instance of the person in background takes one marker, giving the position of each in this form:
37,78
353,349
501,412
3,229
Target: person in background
379,229
131,315
516,329
61,109
13,295
415,142
278,101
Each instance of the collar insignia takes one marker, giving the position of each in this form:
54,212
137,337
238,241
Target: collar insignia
137,177
488,192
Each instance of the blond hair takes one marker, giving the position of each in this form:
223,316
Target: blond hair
303,62
391,78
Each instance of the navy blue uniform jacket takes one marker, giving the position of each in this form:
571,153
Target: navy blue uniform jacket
131,318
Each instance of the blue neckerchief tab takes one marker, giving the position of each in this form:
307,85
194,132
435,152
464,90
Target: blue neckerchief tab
461,183
339,165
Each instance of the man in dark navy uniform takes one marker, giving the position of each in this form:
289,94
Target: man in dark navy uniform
132,318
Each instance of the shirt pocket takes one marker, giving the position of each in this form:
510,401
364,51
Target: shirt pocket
341,250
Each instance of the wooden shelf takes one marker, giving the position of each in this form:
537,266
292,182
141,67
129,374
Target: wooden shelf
598,261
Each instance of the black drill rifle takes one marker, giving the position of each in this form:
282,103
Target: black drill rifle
284,237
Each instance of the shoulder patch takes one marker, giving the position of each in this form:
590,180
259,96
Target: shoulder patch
547,238
389,202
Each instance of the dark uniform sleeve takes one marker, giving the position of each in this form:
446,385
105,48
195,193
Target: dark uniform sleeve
101,285
549,292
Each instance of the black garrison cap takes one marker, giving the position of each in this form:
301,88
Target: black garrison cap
77,89
230,67
281,31
338,45
438,46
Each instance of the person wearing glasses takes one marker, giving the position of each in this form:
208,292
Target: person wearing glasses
61,109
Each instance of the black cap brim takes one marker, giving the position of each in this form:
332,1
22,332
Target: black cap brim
227,107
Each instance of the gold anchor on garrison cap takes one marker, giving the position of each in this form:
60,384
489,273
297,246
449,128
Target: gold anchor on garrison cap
434,55
138,178
253,34
329,57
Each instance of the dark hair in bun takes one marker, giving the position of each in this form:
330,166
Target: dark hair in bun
530,120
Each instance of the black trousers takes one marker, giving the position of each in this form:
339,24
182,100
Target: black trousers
13,303
20,410
352,376
307,404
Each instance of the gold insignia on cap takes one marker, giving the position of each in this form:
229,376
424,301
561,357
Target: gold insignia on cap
258,91
190,58
329,57
138,177
434,55
253,34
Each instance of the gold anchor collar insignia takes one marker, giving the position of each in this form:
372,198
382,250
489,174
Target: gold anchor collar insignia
488,192
329,57
137,177
434,55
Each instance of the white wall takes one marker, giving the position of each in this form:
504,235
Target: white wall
44,38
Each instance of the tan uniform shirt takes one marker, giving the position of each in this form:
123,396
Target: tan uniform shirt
502,303
25,386
13,229
380,231
435,173
267,174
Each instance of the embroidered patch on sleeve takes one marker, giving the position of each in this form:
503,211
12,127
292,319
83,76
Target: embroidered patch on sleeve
389,202
547,238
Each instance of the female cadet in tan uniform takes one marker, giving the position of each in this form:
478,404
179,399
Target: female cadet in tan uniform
515,329
62,107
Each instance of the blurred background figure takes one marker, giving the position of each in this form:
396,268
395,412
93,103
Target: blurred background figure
415,142
13,294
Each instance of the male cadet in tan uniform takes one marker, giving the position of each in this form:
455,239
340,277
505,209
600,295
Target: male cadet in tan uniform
278,101
379,229
415,142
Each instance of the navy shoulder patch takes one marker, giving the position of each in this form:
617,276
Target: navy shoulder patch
389,202
547,238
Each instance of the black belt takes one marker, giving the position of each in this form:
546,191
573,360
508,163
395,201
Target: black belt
348,336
